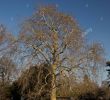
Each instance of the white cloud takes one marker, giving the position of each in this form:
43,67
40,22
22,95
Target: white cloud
89,30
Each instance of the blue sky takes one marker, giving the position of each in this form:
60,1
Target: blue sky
92,15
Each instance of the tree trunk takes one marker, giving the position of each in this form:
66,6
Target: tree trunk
54,65
53,83
53,91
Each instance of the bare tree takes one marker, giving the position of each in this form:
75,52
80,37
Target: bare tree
95,61
7,50
53,37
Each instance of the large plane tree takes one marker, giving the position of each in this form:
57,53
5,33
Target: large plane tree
52,37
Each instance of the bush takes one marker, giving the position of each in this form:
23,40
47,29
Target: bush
100,94
5,91
34,83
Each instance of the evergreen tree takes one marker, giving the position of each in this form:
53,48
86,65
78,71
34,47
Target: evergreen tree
108,70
